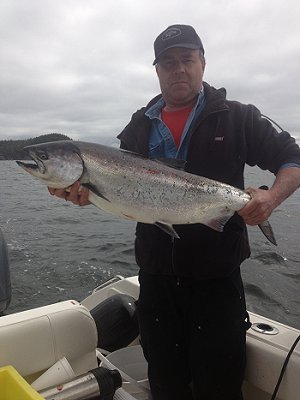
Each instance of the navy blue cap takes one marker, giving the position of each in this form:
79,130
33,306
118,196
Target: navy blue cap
176,36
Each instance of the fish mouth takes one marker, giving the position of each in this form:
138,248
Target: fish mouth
37,166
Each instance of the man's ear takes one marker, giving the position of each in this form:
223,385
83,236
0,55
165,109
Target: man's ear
203,62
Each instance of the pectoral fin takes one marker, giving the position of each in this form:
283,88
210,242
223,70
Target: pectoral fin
93,189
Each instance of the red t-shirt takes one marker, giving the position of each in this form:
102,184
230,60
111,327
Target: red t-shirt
175,121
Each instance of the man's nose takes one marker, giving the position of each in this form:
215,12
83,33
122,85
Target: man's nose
179,67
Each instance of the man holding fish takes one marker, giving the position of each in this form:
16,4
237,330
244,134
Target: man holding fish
191,308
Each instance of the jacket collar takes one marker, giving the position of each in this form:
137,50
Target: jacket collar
135,135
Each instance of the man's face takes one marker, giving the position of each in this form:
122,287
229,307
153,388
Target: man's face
180,73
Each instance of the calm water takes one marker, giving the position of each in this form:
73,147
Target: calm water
60,251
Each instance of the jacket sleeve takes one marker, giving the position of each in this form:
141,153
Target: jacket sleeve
134,136
267,148
125,135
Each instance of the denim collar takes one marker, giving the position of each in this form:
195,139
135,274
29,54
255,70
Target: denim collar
155,110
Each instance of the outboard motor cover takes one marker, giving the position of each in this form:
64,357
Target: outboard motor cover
5,285
116,321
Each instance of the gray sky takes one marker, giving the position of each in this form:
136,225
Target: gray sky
82,67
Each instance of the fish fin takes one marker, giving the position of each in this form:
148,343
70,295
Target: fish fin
266,227
172,162
93,189
218,223
167,229
267,230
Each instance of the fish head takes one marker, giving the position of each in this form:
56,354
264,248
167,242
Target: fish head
57,164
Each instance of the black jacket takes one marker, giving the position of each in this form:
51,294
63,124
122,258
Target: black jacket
226,136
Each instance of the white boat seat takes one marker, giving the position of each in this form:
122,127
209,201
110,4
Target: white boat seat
34,340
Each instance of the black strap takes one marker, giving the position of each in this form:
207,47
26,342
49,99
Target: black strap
284,368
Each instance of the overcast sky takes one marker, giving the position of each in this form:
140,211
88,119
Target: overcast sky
82,67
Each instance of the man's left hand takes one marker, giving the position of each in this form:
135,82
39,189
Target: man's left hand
259,208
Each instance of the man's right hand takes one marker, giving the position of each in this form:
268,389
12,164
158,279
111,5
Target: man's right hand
76,193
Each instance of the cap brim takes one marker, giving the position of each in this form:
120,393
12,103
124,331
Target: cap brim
184,45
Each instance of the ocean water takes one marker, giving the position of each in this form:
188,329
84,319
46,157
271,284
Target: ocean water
60,251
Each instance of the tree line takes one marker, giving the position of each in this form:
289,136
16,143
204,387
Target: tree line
13,149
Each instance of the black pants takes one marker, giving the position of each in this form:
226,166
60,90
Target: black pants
193,334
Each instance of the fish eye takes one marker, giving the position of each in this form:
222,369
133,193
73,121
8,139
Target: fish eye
42,155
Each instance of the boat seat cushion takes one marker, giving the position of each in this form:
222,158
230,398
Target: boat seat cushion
33,340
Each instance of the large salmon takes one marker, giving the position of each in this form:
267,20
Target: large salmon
134,187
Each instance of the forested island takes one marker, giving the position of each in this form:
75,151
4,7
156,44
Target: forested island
13,149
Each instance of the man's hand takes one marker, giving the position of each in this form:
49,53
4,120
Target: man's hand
76,193
259,208
263,202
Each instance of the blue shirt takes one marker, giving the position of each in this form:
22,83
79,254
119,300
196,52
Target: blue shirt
161,142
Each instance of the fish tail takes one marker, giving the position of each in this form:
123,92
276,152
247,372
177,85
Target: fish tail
266,227
267,230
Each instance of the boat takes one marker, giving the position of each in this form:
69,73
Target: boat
60,350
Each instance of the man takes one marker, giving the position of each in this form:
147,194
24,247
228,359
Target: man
191,308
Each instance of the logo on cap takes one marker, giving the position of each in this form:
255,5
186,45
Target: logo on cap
171,33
